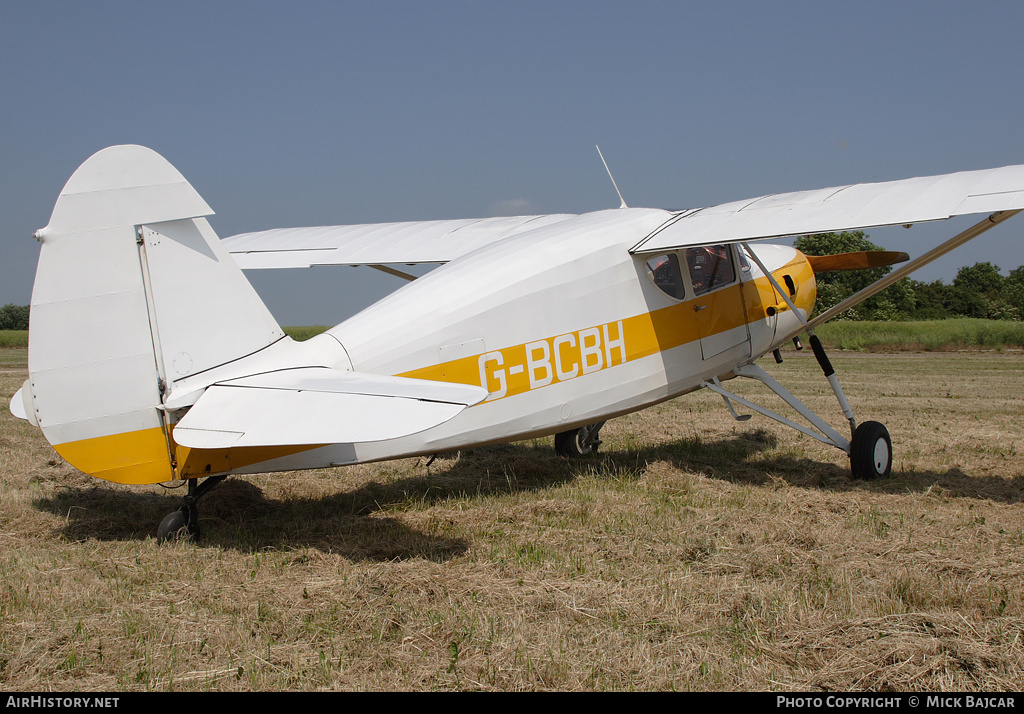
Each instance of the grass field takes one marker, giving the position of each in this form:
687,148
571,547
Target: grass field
693,553
14,338
925,335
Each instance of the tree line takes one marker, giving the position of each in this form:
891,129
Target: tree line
14,317
979,290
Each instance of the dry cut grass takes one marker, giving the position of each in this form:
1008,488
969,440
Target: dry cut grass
695,553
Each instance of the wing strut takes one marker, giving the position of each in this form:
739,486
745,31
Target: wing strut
922,260
393,271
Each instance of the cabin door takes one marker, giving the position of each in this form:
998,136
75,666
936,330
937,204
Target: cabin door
718,301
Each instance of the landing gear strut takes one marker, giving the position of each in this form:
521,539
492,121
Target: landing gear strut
580,442
183,524
870,448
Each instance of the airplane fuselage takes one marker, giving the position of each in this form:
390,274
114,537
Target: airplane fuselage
563,327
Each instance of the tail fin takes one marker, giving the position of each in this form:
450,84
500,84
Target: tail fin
132,292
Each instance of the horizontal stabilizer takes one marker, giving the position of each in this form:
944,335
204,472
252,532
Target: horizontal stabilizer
859,260
20,408
17,407
317,405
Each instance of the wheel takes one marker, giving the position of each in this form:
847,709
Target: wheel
570,443
174,526
871,451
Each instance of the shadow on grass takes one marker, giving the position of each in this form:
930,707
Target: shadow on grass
742,459
237,514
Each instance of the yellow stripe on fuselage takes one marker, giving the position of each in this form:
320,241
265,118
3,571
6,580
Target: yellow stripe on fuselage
134,457
203,462
521,368
141,457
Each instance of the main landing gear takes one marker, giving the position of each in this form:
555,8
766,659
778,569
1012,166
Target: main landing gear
870,448
576,443
183,524
871,451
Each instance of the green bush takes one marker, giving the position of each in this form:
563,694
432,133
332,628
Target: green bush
14,317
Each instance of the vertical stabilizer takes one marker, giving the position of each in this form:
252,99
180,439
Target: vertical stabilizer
132,292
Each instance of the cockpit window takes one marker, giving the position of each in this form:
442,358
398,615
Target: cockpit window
664,271
710,267
744,261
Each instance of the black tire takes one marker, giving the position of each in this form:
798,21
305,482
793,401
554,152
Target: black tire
570,444
174,526
871,451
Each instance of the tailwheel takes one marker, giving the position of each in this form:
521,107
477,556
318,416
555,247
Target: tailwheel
183,524
871,451
576,443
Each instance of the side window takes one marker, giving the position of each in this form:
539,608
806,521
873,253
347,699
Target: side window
710,267
744,263
664,271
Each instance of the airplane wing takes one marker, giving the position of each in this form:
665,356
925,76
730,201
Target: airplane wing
842,208
318,405
376,244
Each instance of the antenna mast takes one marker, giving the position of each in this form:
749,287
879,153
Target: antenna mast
623,204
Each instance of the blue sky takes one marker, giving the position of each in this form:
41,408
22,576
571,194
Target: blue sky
312,113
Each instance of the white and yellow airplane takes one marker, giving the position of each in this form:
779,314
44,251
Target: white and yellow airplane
151,358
